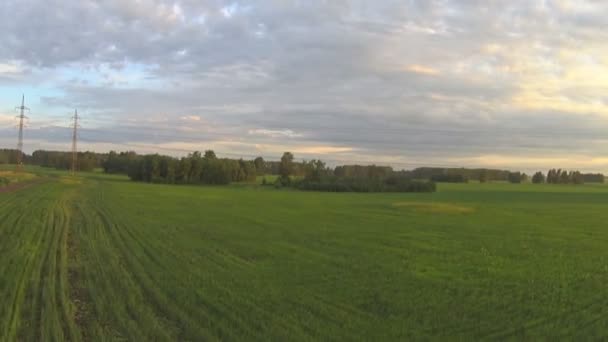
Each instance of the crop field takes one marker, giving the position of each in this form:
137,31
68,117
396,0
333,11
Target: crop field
8,179
100,258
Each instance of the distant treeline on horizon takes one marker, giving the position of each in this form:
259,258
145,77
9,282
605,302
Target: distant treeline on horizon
207,168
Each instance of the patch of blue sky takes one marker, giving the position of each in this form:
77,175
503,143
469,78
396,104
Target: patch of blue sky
10,97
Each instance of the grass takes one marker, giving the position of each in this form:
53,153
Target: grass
33,264
435,207
11,177
270,179
102,258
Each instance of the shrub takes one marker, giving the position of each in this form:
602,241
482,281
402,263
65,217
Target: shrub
360,185
449,179
593,178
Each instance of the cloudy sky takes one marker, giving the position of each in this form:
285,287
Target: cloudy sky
517,84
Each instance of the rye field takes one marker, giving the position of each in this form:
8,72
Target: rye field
98,257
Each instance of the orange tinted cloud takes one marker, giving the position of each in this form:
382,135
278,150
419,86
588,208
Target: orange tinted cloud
421,69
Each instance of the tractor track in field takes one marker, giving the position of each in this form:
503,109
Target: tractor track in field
77,293
20,292
78,296
47,298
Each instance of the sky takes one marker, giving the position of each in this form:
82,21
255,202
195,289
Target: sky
515,84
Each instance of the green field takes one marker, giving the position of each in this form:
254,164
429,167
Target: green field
10,177
102,258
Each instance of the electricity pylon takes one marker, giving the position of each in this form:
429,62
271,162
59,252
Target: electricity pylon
21,117
75,143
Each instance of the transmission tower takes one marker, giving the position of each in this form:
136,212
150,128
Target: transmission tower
21,117
74,143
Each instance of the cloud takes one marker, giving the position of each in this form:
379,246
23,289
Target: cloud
9,68
402,82
190,118
7,120
322,149
275,133
421,69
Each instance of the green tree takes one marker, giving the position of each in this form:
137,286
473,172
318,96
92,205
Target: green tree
538,178
564,177
260,165
315,170
183,171
286,168
515,177
552,176
209,154
483,176
593,178
576,177
196,167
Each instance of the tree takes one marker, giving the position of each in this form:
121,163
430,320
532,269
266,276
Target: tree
286,168
315,170
196,167
209,154
560,176
260,165
553,176
564,177
550,176
183,170
247,171
576,177
593,178
515,177
538,178
483,176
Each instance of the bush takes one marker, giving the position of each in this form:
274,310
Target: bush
360,185
449,179
284,180
593,178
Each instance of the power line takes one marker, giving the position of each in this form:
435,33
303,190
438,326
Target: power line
549,132
408,164
21,117
377,143
74,143
390,136
161,132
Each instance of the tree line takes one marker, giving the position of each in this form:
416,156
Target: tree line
86,161
207,168
9,156
350,178
562,176
192,169
458,175
463,175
